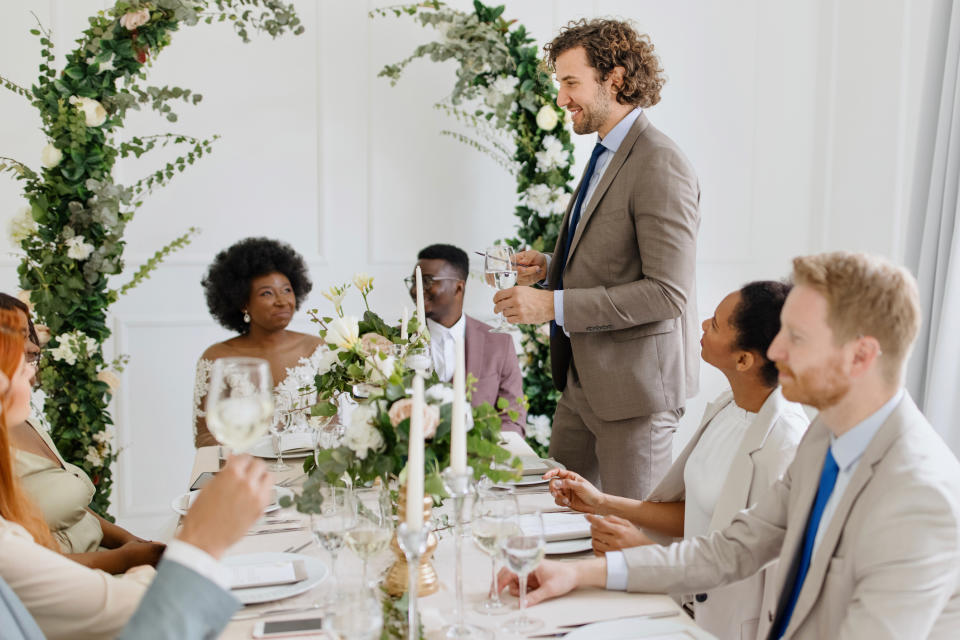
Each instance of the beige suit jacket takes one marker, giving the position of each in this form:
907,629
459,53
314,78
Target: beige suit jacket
888,564
629,300
765,451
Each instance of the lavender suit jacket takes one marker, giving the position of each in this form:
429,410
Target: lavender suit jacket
492,359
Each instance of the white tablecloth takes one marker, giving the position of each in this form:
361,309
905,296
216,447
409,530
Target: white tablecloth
438,609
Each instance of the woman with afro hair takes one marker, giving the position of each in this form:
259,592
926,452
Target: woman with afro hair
253,288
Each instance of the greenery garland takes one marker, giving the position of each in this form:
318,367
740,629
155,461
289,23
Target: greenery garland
72,232
505,96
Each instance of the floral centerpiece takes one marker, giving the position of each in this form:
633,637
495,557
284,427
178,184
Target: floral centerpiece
366,360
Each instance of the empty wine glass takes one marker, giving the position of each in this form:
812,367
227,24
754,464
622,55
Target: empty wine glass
240,401
523,551
420,360
373,526
358,615
493,517
282,419
329,527
501,273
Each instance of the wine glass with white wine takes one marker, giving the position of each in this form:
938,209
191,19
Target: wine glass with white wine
373,526
240,401
329,527
522,552
500,271
494,517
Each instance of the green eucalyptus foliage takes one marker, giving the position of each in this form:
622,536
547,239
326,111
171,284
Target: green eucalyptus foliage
487,47
78,214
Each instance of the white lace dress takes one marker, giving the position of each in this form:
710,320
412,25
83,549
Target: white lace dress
296,387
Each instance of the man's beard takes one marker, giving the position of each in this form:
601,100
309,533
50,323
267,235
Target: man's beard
820,388
592,120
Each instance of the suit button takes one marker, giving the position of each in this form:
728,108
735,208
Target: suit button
701,597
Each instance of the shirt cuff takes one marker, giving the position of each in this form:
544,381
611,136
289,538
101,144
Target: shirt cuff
546,278
199,561
616,571
558,307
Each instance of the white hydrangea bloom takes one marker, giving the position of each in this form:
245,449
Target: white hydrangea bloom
538,428
93,457
360,435
22,225
500,89
77,248
69,346
439,394
552,156
546,200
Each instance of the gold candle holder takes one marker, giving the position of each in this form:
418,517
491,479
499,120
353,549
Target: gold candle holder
397,577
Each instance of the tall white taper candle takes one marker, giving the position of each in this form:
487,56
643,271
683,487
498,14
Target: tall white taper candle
421,314
403,323
458,429
415,459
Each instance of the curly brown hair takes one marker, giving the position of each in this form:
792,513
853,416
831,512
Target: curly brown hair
610,44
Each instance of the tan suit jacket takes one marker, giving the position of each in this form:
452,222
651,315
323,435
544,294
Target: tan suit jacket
492,359
888,564
629,300
765,451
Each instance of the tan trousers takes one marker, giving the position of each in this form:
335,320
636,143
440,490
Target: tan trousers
625,457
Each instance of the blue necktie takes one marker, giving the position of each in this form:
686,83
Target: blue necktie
575,218
828,478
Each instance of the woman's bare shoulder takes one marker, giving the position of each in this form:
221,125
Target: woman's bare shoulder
220,350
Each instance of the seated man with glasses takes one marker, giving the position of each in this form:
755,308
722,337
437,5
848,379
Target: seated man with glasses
490,357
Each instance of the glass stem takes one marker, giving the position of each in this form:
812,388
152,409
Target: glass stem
413,571
457,537
523,594
363,573
494,592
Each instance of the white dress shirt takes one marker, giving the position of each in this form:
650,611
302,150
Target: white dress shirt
709,464
611,143
443,346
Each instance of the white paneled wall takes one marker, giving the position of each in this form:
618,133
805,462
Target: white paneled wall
801,118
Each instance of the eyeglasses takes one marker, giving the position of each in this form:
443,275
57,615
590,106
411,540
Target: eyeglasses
32,359
428,281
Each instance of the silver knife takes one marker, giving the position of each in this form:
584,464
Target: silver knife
281,530
648,616
252,615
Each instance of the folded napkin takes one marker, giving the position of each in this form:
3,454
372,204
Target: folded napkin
296,441
558,526
534,466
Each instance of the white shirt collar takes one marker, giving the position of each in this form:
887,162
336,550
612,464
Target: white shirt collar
848,448
458,331
615,136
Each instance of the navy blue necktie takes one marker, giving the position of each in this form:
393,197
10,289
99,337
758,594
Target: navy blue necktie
828,478
575,218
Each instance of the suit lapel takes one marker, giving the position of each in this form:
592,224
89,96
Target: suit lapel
820,562
735,493
613,168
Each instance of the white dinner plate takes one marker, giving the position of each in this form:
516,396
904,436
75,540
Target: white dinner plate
182,503
530,481
264,449
560,547
639,627
316,573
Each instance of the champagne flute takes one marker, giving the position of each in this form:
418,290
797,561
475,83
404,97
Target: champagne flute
329,527
501,272
493,517
373,526
282,419
523,552
240,401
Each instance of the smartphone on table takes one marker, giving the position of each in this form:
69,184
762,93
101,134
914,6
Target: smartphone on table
287,628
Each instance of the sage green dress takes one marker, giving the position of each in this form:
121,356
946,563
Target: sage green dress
62,492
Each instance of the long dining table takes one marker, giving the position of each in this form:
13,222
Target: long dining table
437,610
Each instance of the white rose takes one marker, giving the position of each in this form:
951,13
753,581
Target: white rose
78,249
344,333
361,436
93,111
50,156
63,352
134,19
22,225
111,379
547,118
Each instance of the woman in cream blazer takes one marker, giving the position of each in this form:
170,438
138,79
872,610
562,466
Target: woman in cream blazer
745,441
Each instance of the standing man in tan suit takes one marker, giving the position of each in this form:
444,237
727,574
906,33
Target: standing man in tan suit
866,520
621,298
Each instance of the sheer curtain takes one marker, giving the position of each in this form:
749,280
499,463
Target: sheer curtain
934,255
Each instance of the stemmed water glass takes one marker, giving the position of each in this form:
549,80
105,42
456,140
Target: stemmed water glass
330,526
373,525
523,552
494,516
240,401
358,615
282,420
500,272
